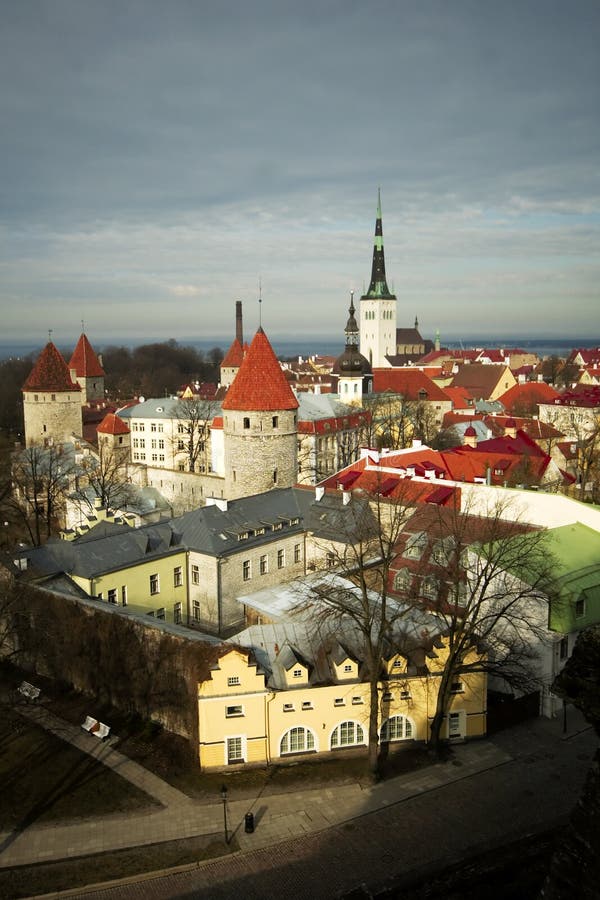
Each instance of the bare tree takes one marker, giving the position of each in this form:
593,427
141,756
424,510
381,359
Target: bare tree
194,419
106,474
40,479
488,579
364,551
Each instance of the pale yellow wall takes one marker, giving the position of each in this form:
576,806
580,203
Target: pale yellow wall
136,580
269,715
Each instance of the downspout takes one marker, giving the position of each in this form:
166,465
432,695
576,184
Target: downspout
219,579
268,700
187,586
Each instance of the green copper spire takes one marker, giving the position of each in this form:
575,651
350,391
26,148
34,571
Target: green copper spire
378,286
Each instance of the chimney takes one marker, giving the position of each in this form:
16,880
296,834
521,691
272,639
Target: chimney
239,328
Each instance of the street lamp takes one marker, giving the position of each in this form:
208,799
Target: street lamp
224,799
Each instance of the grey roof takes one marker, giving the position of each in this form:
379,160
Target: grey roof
248,522
321,406
162,408
304,632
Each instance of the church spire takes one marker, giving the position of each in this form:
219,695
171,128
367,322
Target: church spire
351,330
378,286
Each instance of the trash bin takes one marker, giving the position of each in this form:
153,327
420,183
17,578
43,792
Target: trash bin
249,823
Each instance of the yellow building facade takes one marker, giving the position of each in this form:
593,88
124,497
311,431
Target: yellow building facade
242,721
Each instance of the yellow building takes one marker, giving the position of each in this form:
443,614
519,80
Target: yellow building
269,702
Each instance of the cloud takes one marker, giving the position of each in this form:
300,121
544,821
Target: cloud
166,159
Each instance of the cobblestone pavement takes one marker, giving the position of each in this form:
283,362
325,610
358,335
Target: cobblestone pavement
321,843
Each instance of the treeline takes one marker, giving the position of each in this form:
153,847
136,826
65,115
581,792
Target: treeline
150,370
156,370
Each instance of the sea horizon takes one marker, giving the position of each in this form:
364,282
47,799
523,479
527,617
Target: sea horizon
317,346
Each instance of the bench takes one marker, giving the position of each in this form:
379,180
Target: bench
98,729
29,691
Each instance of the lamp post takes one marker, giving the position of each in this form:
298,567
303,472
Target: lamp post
224,799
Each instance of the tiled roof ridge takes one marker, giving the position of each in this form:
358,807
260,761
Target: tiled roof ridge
84,360
234,356
260,383
112,424
50,373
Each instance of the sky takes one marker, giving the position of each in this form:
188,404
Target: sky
162,160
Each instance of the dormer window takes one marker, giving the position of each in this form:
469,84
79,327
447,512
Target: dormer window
348,668
297,673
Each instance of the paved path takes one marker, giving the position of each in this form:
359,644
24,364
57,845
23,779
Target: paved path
317,842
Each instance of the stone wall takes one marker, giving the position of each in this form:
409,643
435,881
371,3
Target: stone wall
132,665
260,451
56,416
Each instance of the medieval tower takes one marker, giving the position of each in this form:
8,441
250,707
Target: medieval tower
51,401
378,307
86,369
260,425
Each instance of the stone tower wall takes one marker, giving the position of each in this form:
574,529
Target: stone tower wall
255,449
56,416
91,388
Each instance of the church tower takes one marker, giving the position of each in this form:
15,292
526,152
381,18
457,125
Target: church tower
260,425
51,401
352,369
87,371
378,307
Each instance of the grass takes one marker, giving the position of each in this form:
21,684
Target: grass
47,780
44,878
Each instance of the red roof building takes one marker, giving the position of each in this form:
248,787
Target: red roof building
260,383
112,424
84,361
524,399
50,373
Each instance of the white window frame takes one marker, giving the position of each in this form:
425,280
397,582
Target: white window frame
195,574
234,711
178,576
241,738
403,729
309,741
358,735
154,584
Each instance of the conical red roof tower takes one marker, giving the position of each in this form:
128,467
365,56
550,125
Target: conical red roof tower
84,360
260,383
50,373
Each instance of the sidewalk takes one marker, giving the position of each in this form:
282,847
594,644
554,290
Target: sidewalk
277,818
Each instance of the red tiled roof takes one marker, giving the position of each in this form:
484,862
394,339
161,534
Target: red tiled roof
260,383
481,379
461,397
346,479
50,373
587,396
441,495
234,356
112,424
84,360
526,396
408,382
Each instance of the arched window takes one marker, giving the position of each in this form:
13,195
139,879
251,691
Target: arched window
396,728
297,740
347,734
